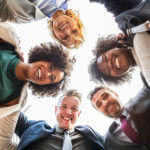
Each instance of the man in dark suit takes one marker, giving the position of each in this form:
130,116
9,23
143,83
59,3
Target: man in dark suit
134,115
40,136
128,13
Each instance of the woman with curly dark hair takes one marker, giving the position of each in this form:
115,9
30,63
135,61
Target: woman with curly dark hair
59,59
113,60
47,71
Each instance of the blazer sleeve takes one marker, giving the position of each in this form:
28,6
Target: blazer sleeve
7,127
22,124
141,102
135,16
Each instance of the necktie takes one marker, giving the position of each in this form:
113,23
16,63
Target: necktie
128,130
67,145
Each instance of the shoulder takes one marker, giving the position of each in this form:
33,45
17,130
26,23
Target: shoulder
140,103
89,131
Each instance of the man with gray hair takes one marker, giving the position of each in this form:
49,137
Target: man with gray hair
40,136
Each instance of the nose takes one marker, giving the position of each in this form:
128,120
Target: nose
104,103
49,73
68,111
67,31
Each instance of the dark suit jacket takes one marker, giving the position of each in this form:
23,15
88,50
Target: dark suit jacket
139,109
30,131
134,16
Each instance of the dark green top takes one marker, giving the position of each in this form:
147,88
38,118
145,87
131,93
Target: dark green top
10,86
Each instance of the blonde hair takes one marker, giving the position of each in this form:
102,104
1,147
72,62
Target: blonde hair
74,15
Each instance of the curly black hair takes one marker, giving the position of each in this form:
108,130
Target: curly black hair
51,53
103,45
118,6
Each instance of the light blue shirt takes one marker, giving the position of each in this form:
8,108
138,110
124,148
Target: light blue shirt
48,7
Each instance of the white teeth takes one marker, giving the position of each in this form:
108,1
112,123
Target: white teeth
62,27
117,63
39,73
67,119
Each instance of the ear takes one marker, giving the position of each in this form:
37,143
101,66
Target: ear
116,94
79,113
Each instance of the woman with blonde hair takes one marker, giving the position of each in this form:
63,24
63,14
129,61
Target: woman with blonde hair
65,24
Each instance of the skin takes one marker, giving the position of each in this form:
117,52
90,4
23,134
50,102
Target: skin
65,29
115,62
67,112
106,102
40,72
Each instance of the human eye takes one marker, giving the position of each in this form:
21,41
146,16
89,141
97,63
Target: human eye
105,96
63,107
51,67
74,31
74,109
98,104
52,78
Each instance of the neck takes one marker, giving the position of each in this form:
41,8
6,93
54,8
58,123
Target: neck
21,71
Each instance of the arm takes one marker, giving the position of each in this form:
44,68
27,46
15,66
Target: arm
7,127
22,124
141,46
141,102
8,34
134,17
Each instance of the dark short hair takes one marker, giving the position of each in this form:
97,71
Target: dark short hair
103,45
73,93
92,92
51,53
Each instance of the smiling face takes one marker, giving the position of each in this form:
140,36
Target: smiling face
114,62
66,30
106,101
67,112
42,73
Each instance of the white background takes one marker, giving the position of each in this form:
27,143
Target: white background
97,21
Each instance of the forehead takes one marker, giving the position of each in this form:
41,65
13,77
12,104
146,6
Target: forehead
99,92
69,100
43,62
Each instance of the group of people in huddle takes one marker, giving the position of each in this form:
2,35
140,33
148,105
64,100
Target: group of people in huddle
49,68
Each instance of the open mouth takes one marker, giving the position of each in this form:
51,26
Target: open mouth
63,26
39,73
67,118
117,63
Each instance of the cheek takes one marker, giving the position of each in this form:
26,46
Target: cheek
58,34
114,73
